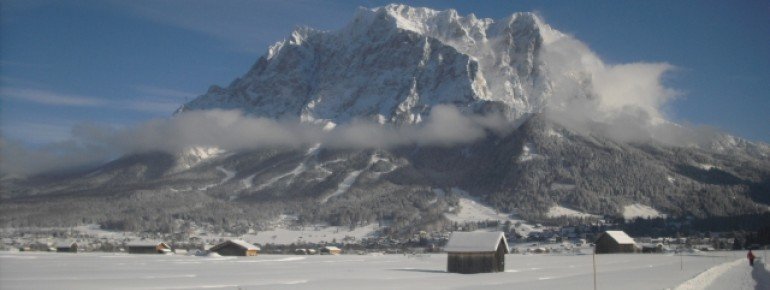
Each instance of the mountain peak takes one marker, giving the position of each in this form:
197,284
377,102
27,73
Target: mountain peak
393,64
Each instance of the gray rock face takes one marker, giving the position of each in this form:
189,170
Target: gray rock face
391,65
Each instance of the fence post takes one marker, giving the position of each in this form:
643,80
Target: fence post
594,256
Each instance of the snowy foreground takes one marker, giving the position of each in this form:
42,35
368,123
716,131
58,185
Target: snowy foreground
724,270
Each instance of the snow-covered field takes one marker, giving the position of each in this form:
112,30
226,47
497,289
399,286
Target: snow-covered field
640,211
121,271
473,210
557,211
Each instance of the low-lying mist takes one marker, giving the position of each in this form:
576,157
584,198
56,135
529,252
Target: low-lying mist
232,130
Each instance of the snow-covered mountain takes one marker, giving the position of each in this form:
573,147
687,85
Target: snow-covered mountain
393,65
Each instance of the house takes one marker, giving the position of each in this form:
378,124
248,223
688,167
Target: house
235,248
148,247
330,250
476,252
67,247
42,246
614,242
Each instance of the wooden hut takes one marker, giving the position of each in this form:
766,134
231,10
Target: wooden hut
330,250
614,242
144,247
67,247
476,252
235,248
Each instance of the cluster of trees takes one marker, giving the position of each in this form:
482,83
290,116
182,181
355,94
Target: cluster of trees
746,229
598,175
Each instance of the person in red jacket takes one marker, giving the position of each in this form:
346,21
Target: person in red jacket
751,257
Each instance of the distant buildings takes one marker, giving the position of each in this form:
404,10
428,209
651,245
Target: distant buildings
330,250
614,242
235,248
145,247
67,247
476,252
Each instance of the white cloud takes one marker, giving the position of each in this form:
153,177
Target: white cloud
38,132
163,92
231,130
160,100
51,98
19,159
622,101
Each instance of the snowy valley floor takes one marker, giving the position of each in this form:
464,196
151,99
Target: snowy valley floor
721,270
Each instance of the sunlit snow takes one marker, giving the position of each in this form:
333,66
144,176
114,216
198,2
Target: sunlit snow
640,211
39,270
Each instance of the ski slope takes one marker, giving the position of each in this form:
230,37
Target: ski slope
37,270
734,275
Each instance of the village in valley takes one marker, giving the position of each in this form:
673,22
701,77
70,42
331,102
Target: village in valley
296,239
548,257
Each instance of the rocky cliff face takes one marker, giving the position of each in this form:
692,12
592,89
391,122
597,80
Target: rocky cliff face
391,65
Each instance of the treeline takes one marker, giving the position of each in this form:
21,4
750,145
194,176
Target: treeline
754,228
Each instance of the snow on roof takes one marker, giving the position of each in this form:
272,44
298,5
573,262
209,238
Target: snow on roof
145,243
475,242
241,243
331,248
621,237
65,243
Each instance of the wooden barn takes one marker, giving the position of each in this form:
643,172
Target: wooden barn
144,247
330,250
67,247
470,253
614,242
235,248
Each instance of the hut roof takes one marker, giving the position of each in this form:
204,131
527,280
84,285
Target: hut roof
65,243
331,248
475,242
621,237
145,243
241,243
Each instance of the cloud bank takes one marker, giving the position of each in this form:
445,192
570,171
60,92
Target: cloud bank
232,130
626,102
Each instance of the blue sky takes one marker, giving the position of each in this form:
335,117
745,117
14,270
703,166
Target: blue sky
120,63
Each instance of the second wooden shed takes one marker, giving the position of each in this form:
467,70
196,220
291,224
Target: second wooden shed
476,252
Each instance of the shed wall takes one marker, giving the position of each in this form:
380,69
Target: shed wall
234,250
143,250
607,245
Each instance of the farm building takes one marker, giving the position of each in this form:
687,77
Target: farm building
614,242
146,247
67,247
470,253
235,248
330,250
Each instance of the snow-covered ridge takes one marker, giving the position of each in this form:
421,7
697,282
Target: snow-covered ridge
193,156
393,64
